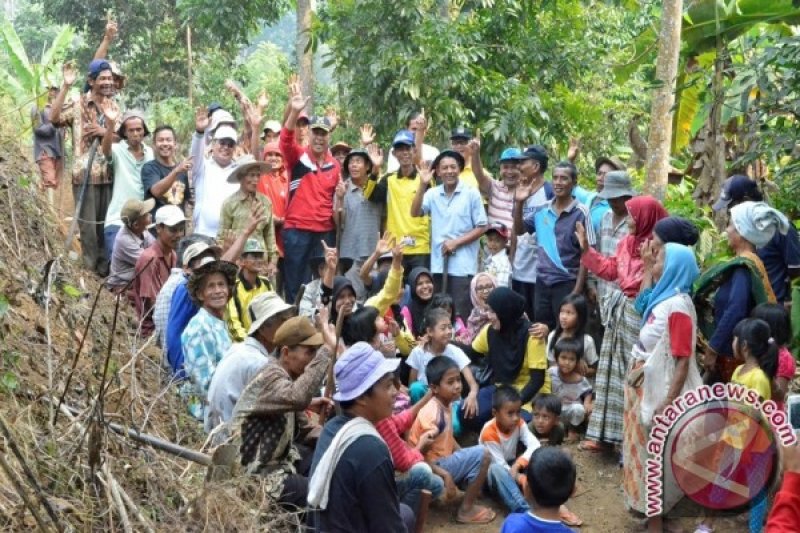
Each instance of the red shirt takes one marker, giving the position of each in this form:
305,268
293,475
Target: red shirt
311,188
392,429
147,284
785,514
275,186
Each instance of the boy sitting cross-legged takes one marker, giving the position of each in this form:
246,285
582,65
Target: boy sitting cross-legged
447,459
551,481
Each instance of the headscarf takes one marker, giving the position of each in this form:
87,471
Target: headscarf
645,211
416,305
479,316
508,345
340,283
680,272
757,222
273,148
678,230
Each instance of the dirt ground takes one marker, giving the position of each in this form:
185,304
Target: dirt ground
598,502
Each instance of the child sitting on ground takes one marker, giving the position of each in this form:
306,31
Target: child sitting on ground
571,386
545,425
455,465
551,478
249,283
497,263
502,435
439,331
412,473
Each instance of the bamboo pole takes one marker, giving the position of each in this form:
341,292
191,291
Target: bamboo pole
189,64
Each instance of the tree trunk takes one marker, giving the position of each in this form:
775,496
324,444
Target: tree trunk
660,138
305,57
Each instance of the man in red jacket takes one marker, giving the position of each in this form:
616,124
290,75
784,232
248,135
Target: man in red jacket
313,176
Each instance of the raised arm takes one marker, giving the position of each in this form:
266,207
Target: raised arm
110,34
521,195
419,137
425,177
484,181
69,75
108,136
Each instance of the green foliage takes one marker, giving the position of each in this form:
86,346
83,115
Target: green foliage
232,21
521,71
24,80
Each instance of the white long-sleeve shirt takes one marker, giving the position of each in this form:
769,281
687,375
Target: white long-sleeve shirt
503,447
211,188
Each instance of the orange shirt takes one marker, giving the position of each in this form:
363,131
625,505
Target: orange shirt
435,416
275,186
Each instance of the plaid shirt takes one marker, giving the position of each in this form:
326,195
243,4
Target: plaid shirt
205,340
163,301
607,242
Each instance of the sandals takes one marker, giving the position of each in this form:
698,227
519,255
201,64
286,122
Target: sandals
483,515
591,446
568,517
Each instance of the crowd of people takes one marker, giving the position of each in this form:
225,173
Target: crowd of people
441,302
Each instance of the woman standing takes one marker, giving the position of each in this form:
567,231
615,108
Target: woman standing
740,283
663,368
626,268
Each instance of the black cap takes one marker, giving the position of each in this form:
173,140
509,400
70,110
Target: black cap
461,132
212,107
449,153
537,153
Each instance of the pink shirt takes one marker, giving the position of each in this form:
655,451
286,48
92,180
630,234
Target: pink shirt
622,268
786,368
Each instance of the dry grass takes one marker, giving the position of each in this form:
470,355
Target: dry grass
92,478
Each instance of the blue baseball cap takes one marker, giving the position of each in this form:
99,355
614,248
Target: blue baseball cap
511,155
405,137
97,66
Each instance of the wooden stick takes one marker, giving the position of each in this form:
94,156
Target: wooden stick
120,505
24,495
330,386
189,64
12,444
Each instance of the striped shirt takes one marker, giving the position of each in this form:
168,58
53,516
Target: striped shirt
501,204
391,430
607,242
362,222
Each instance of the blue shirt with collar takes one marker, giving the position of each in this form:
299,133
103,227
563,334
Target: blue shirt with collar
597,206
559,253
451,217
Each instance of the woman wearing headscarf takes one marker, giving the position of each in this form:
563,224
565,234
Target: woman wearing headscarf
513,356
420,282
480,287
670,229
663,368
737,285
626,268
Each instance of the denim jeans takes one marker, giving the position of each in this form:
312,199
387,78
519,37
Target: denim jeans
464,465
299,247
109,236
419,477
501,483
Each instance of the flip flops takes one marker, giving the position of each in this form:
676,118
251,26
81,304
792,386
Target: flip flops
591,446
569,518
483,515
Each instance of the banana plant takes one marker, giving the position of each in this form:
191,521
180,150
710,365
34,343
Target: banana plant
24,81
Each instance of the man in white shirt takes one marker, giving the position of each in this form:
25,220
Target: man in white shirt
210,175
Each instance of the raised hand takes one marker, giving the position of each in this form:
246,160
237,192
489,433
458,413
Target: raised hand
523,192
111,30
69,73
263,101
425,173
257,216
385,243
185,165
341,189
375,155
367,135
111,114
580,234
297,101
332,117
474,145
421,122
331,256
574,148
200,119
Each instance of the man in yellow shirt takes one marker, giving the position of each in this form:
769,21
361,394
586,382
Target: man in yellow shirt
397,190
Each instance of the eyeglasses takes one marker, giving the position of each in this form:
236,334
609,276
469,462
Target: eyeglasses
484,288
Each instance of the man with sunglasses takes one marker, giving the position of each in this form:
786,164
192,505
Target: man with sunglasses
210,174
